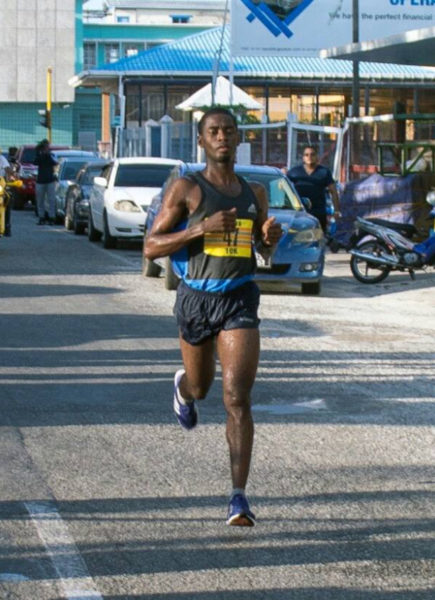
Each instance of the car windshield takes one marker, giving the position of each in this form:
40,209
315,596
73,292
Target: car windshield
69,170
138,175
279,191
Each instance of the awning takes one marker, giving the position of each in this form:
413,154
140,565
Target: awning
416,47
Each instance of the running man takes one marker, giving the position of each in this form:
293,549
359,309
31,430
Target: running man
217,301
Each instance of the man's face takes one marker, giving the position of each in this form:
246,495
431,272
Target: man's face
309,157
219,138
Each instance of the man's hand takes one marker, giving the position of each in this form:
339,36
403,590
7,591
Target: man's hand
222,221
271,232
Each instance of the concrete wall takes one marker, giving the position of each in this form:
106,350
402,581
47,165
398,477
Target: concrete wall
37,34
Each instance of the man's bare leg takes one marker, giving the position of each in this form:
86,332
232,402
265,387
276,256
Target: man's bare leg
199,364
238,351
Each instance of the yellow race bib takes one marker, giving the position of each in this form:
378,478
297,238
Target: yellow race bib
236,243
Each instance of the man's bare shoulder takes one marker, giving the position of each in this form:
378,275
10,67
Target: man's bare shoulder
182,187
259,190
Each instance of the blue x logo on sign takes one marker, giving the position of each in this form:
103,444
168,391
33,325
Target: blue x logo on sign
276,15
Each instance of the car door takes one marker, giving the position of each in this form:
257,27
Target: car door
97,198
57,196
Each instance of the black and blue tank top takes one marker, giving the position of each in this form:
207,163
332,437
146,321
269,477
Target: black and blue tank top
219,262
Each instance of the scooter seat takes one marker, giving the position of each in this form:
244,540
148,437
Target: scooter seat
406,229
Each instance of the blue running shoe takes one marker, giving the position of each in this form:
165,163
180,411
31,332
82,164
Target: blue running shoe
186,414
239,513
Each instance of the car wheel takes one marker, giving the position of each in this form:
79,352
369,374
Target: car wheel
68,220
171,280
370,272
150,269
78,228
93,234
311,288
109,241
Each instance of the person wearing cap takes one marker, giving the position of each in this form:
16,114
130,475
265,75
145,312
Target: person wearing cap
45,183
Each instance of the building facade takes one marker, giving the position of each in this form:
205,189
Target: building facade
69,36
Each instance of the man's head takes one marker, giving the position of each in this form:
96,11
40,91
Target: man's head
218,135
309,156
215,111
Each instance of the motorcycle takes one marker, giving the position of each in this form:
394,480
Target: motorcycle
381,249
6,189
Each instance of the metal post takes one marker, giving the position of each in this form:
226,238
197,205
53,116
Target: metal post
48,103
121,96
355,63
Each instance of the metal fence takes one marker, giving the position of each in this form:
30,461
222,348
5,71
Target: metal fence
278,144
165,138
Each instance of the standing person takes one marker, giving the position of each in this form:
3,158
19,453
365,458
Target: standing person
45,182
313,180
217,301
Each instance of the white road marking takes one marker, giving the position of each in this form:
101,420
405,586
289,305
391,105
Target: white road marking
64,554
15,577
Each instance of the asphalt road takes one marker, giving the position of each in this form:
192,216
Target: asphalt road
102,495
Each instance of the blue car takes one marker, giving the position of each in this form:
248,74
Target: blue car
300,255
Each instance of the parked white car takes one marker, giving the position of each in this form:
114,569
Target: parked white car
120,197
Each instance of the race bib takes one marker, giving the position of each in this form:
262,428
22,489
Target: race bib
236,243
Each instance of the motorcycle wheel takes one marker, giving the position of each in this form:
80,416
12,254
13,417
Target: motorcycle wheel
365,271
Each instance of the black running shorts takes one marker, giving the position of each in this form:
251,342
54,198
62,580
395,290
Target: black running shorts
201,315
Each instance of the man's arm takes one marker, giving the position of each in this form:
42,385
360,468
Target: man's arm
182,197
267,232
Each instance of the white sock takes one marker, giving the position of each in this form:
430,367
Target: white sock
237,491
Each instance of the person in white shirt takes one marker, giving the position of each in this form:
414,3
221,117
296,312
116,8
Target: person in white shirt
4,165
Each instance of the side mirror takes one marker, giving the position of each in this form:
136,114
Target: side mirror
100,181
306,202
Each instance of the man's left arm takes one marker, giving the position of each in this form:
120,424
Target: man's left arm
267,232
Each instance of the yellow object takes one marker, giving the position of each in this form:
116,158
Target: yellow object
234,243
5,199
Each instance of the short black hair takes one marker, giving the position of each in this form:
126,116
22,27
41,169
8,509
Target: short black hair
217,110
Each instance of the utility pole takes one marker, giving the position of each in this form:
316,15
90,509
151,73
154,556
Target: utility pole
355,63
48,103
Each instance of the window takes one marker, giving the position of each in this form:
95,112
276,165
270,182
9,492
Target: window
89,174
70,170
111,53
142,175
131,49
89,55
180,18
123,19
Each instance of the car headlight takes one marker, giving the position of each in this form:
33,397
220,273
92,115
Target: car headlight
126,206
430,197
307,236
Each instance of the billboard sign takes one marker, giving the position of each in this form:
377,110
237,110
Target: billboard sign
304,27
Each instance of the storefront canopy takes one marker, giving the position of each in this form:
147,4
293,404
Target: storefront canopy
416,47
